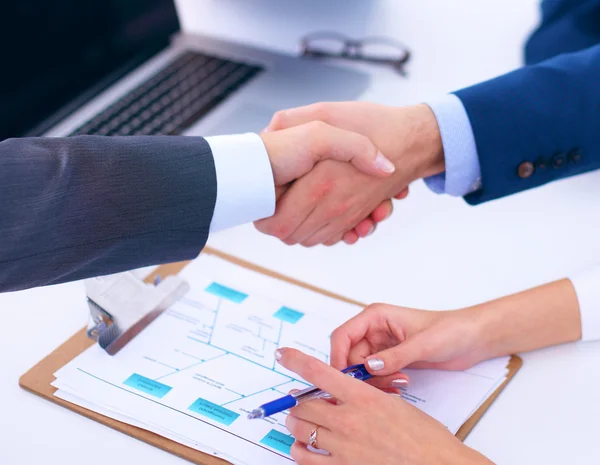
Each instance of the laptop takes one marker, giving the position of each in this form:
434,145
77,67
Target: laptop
124,67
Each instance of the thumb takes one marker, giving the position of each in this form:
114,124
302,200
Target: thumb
330,142
293,152
394,359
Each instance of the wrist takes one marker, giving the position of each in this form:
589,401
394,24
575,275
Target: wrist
425,141
540,317
490,328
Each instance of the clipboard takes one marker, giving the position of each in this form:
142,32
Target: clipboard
37,380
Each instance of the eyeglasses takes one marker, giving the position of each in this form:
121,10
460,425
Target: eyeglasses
380,50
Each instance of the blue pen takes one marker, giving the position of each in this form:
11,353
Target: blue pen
291,400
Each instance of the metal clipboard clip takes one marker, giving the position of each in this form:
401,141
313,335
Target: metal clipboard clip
121,306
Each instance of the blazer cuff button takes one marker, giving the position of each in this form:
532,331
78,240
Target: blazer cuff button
526,170
558,160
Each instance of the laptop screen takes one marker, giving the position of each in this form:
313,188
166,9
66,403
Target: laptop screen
53,51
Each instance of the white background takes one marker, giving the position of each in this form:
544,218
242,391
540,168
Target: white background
435,252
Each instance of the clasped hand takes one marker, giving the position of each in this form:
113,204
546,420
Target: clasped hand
329,201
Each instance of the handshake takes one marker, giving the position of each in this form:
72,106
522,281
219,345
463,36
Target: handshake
336,167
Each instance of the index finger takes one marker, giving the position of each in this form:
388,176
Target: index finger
332,142
334,113
347,336
318,373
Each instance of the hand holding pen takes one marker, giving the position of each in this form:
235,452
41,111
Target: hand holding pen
358,372
293,399
365,426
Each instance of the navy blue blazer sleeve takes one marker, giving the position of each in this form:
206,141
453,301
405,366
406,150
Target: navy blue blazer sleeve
546,114
72,208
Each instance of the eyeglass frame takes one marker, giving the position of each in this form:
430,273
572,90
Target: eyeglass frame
352,49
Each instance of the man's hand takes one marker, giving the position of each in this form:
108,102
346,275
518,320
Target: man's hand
295,151
334,201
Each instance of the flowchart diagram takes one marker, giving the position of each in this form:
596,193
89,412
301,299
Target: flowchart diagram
211,355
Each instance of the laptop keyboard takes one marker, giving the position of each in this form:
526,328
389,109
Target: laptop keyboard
173,99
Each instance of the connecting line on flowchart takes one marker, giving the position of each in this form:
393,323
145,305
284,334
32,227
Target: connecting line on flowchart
236,393
199,306
179,370
159,363
194,304
265,340
214,323
200,359
213,327
278,341
226,352
280,392
291,378
242,396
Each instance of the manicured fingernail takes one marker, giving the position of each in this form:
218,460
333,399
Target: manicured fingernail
384,164
371,230
265,130
375,364
400,383
278,354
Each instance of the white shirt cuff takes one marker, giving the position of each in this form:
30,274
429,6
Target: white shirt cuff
245,184
463,171
587,288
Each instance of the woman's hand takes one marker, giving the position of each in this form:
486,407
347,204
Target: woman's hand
388,338
365,426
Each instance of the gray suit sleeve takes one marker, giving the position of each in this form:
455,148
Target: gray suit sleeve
72,208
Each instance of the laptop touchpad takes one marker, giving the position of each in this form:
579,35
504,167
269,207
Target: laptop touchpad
247,117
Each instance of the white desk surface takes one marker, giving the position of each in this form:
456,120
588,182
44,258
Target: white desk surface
434,252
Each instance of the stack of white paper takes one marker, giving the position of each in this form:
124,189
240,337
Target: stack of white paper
196,372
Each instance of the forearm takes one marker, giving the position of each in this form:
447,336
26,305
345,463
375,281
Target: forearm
84,206
536,124
539,317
